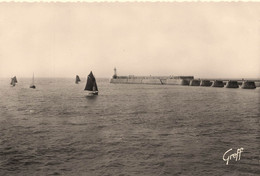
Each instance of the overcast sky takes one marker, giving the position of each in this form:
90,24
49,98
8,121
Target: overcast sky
206,40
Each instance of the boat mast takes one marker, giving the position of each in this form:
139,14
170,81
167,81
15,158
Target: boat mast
33,79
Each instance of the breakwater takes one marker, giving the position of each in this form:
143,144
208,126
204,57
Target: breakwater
248,85
168,80
194,82
185,81
217,83
232,84
205,83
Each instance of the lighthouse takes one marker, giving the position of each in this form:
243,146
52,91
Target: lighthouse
115,75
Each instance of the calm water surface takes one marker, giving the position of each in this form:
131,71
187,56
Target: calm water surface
146,130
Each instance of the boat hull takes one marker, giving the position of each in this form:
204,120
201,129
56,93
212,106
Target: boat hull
94,93
91,93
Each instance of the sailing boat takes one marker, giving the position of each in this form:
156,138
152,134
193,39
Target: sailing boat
91,84
77,79
12,81
32,85
15,80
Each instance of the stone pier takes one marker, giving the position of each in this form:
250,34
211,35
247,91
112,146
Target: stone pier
248,85
194,82
205,83
232,84
217,83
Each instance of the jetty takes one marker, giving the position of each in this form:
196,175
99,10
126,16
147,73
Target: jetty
248,85
205,83
194,82
232,84
217,83
185,81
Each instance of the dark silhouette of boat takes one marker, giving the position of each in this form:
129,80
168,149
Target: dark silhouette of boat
77,79
91,85
13,81
32,85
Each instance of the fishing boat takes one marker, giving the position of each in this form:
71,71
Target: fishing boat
12,82
77,79
15,79
32,85
91,85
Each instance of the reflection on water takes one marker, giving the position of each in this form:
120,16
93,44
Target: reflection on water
91,97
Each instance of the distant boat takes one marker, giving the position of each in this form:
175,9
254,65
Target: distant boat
91,84
32,85
12,81
77,79
15,79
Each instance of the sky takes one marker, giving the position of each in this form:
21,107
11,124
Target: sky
205,40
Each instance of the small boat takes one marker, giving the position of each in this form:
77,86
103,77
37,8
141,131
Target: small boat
32,85
91,85
77,79
15,79
12,82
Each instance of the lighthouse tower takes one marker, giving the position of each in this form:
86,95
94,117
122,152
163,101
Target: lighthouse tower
115,74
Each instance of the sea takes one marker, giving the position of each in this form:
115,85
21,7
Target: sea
127,130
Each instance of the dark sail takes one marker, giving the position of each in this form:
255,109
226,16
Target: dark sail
15,80
95,88
91,83
12,82
77,79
